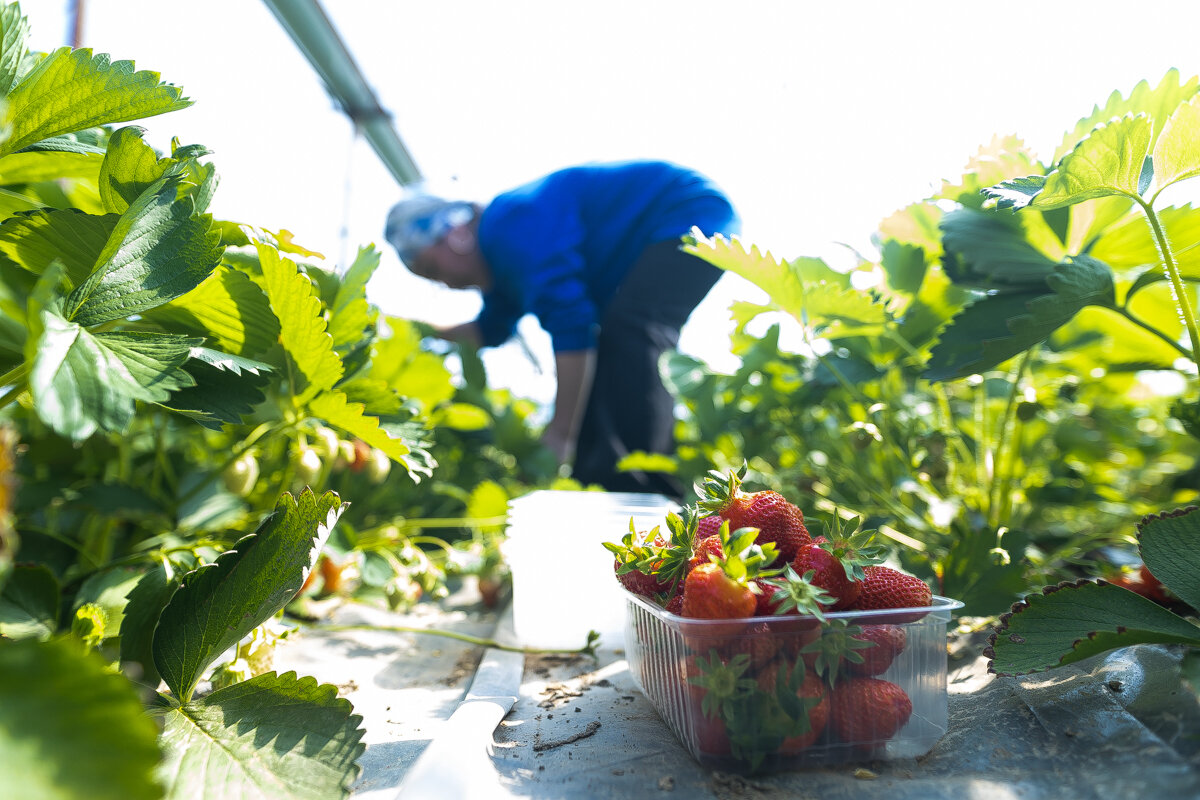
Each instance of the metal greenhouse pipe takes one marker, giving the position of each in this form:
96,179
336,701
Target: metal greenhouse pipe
311,29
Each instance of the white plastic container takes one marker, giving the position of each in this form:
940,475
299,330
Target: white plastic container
563,584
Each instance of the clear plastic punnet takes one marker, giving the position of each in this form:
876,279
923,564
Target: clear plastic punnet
789,692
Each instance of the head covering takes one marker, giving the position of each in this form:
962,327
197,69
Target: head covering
420,220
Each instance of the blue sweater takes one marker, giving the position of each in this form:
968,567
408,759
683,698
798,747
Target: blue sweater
558,247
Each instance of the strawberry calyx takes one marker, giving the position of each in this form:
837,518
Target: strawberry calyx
852,546
723,682
635,551
743,559
719,491
838,645
797,594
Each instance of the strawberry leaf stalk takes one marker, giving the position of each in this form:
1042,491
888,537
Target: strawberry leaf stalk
838,563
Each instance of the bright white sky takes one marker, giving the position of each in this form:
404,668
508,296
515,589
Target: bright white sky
819,119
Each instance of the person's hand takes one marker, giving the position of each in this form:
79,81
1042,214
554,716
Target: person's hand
559,444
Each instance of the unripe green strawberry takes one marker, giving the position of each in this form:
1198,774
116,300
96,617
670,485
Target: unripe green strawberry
240,476
867,711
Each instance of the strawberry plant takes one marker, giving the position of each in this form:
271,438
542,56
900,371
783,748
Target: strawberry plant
979,401
166,379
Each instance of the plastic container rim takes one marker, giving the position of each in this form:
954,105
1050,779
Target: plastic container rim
937,604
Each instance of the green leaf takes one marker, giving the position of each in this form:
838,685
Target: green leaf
70,90
37,167
991,251
144,604
1108,162
70,727
219,603
1177,151
1016,192
1169,546
1071,622
916,225
350,314
398,361
81,382
824,306
71,237
158,251
1004,158
108,589
1158,102
130,167
14,30
29,603
308,345
904,265
461,417
219,395
227,307
985,581
648,462
338,412
999,326
273,736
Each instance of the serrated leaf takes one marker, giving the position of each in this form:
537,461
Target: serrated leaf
69,727
1003,158
350,314
71,237
154,360
229,308
1071,622
1169,546
29,603
338,412
1177,151
1158,103
130,167
220,394
273,736
78,385
303,333
1015,193
143,605
827,306
1108,162
999,326
70,90
904,265
159,250
219,603
14,30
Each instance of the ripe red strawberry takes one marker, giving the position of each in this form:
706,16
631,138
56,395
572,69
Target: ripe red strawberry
705,551
867,711
886,642
778,521
884,587
709,593
675,604
708,526
837,562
